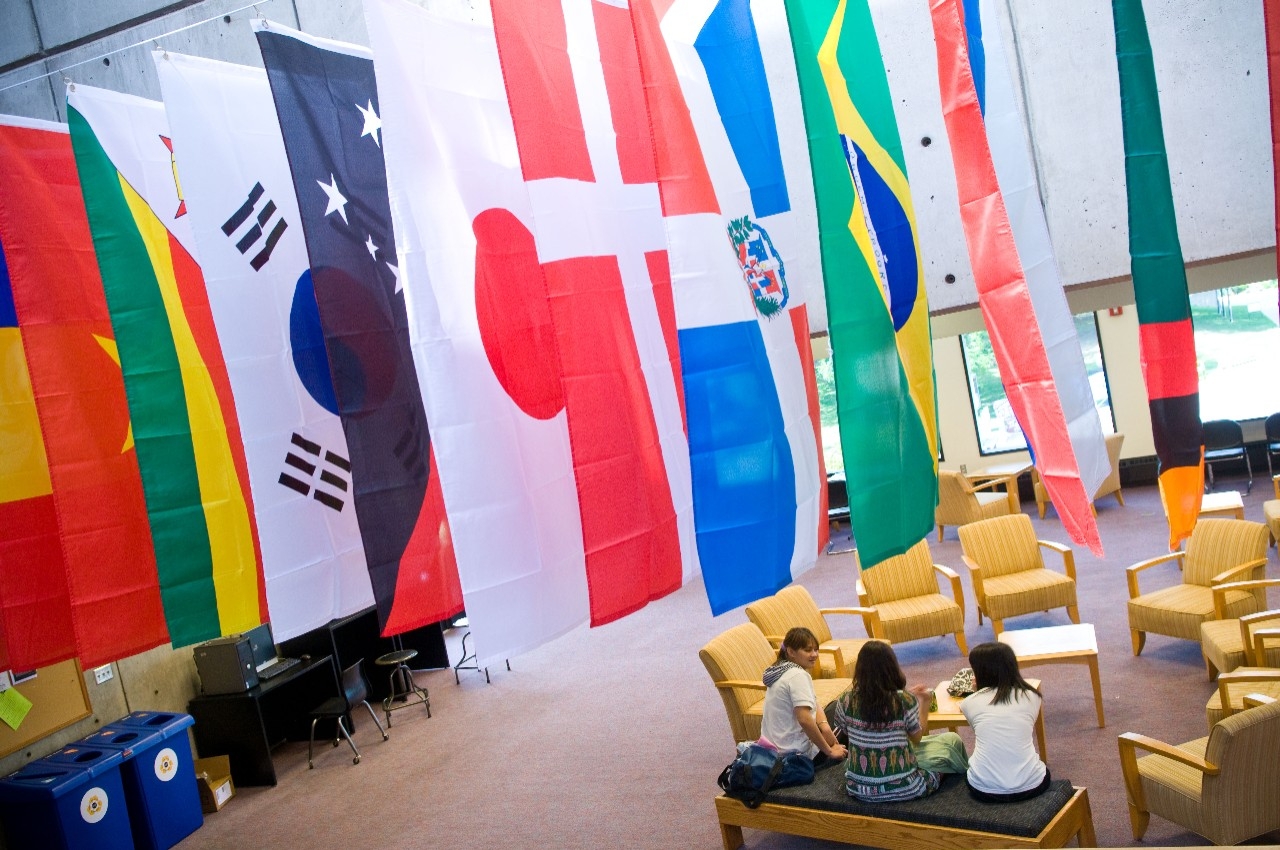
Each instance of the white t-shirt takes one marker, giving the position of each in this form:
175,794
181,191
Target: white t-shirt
792,690
1004,759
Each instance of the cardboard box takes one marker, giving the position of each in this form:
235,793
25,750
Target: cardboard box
213,776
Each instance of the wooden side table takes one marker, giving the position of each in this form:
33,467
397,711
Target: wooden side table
1074,644
1226,504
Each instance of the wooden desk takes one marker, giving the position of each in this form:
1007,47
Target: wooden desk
1014,469
246,726
1074,644
949,715
1226,504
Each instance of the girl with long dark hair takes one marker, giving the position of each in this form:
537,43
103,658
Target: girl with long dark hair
1004,767
890,756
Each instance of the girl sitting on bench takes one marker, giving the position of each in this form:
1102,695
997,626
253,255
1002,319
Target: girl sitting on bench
792,720
1005,767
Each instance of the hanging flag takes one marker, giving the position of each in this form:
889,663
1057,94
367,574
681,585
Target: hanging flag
98,588
879,319
244,215
185,428
1025,322
540,289
1166,340
327,98
35,603
727,112
1271,20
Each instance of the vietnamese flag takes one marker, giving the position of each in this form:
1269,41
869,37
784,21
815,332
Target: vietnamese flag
108,575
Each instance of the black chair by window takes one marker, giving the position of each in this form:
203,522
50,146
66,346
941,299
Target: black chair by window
355,691
1272,426
1224,441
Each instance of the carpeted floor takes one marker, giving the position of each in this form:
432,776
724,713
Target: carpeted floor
613,737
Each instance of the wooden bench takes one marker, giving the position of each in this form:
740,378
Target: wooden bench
946,818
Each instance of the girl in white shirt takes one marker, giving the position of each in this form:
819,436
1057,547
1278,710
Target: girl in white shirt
793,721
1004,767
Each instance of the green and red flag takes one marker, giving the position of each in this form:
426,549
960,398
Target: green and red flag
878,315
187,435
96,575
1167,343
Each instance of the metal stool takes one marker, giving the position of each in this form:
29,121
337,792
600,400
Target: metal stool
403,687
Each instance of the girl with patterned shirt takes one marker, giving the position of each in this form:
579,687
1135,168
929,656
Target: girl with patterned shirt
890,758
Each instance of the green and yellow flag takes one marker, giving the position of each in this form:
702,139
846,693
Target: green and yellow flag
879,318
185,429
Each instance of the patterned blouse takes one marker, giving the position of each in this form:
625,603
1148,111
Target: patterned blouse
881,765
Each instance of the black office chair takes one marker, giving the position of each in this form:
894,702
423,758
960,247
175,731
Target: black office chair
1272,426
355,691
1224,440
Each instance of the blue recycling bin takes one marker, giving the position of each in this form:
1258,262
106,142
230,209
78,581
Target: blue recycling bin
159,775
76,803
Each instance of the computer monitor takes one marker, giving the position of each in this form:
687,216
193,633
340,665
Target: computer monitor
262,644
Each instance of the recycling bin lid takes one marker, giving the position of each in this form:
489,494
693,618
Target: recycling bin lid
167,722
93,760
121,737
42,780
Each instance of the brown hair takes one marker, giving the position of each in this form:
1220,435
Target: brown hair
797,639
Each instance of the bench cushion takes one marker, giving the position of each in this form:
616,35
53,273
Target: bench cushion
950,806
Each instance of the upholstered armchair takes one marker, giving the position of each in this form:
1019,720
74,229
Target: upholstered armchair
961,502
903,590
1219,551
1008,570
793,606
1227,642
1109,485
1223,787
1271,510
736,660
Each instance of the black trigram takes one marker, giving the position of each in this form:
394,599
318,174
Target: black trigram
309,467
411,449
254,233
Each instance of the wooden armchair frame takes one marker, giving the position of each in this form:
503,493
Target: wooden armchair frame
1130,743
980,594
874,625
870,619
1010,483
1131,578
1250,675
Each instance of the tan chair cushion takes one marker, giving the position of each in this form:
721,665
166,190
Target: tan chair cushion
1236,692
1002,546
849,648
1220,544
1178,611
1223,646
919,617
790,607
1026,592
901,577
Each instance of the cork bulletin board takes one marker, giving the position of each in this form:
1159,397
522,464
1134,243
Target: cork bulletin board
58,699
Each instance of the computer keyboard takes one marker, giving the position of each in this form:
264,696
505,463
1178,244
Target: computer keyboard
276,669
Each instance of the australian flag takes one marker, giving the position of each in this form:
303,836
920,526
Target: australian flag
327,101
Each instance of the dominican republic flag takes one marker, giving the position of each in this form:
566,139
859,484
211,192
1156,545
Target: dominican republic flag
737,192
244,214
77,568
537,280
327,100
187,435
876,303
1166,339
1026,312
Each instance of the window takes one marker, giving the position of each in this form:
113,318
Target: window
998,429
832,453
1237,336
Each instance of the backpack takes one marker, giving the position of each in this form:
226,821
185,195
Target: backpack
758,769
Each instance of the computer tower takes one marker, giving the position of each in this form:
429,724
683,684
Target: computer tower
226,665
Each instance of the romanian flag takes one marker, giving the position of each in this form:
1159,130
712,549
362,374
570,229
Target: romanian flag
879,319
184,425
1167,342
99,586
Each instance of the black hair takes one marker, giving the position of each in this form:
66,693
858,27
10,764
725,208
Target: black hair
877,680
995,666
798,638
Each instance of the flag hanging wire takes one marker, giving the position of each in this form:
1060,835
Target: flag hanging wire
155,39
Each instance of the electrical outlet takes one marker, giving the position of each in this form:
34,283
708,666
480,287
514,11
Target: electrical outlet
964,470
102,674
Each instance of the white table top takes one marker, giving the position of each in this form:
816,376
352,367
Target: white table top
1051,640
1222,501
